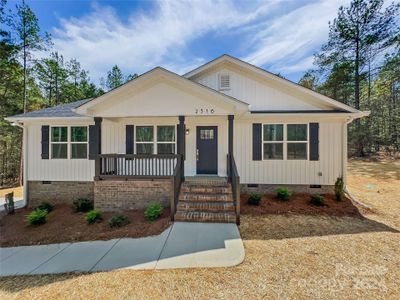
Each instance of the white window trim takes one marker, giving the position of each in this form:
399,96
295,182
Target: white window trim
285,142
68,142
155,142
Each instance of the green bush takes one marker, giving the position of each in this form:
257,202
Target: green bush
339,189
45,206
93,216
82,205
317,200
118,221
283,194
153,211
37,217
254,199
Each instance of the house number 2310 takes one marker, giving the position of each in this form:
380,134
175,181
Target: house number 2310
204,111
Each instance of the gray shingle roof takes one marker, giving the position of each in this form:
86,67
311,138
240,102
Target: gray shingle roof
62,111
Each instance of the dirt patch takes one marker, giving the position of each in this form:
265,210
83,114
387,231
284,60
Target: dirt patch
64,225
18,191
299,205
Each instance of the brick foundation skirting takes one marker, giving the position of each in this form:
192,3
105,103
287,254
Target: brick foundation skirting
271,188
58,191
114,195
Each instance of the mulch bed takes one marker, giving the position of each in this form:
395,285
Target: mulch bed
299,204
65,225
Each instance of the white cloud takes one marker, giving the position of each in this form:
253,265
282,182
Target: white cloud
162,34
101,39
288,41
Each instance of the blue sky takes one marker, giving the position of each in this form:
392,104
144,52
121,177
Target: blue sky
280,36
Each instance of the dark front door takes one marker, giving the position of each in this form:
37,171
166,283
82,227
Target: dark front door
207,147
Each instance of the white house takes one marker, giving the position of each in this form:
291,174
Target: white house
227,123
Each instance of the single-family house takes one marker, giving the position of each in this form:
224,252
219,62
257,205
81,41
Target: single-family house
192,142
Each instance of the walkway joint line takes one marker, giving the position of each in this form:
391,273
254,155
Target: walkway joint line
104,255
69,245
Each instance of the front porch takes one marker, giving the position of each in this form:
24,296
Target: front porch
130,180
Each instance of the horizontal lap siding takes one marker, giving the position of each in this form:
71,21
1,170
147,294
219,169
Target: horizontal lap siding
54,169
290,171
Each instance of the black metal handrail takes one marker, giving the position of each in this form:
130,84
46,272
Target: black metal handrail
234,179
178,178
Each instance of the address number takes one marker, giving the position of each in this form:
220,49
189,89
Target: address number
204,111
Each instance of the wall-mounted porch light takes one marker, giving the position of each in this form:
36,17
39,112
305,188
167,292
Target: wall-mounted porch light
187,131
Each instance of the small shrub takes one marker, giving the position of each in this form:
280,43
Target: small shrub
45,206
37,217
82,205
317,200
118,221
93,216
153,211
254,199
339,189
283,194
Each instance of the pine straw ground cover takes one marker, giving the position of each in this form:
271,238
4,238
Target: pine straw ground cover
287,256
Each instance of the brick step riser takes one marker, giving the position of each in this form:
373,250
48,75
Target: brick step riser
208,198
208,190
203,184
207,208
205,217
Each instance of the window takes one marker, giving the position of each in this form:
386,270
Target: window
161,142
297,141
207,134
165,139
224,82
273,141
69,142
144,139
288,141
79,142
59,142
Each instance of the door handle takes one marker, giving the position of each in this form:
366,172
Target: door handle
197,154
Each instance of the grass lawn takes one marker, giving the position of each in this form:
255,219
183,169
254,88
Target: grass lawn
287,256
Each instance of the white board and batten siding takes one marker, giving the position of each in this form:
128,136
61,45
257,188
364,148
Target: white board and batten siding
55,169
261,94
306,172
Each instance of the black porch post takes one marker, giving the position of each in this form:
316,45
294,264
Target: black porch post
97,143
230,134
182,142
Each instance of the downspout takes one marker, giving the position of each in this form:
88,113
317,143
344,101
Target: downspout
25,160
344,150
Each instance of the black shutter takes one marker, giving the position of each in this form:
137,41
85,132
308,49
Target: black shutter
93,145
257,141
45,141
129,139
314,141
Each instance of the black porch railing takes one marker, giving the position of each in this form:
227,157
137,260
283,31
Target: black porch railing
234,179
143,166
136,165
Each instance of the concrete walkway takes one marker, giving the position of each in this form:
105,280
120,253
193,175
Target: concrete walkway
183,245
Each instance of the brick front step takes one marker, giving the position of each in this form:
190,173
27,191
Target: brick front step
226,217
207,183
186,206
205,197
206,189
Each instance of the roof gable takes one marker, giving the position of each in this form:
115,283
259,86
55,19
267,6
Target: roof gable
160,92
287,86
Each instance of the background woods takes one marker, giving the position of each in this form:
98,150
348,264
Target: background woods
32,76
358,65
